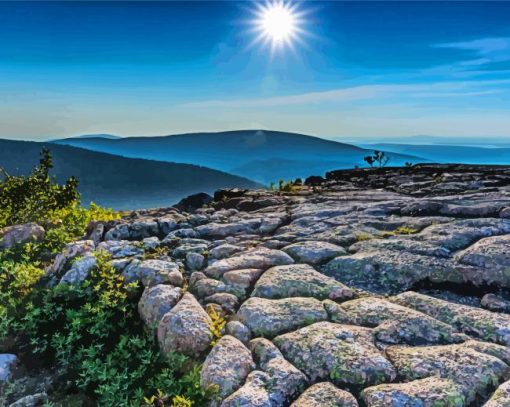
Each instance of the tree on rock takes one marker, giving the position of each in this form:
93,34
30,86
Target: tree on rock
379,159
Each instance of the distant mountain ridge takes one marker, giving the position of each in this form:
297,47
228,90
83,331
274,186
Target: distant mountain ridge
104,136
450,153
485,141
119,182
241,152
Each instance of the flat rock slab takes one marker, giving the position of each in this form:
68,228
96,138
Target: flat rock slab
429,392
260,258
486,325
269,318
221,230
325,394
314,252
492,254
299,280
398,324
475,372
344,354
383,271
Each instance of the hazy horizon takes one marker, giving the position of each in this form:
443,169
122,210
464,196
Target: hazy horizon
353,70
416,139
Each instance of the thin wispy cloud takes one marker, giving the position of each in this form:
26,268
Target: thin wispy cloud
484,51
364,92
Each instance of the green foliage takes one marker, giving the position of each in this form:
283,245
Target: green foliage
27,199
16,282
401,230
378,158
91,331
362,236
217,325
285,186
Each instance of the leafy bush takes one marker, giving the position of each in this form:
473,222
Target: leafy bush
91,331
28,198
94,333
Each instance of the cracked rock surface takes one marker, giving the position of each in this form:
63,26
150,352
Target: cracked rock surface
386,287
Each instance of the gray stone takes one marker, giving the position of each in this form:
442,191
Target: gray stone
195,261
239,331
151,243
501,397
167,225
345,354
492,255
299,280
118,232
97,233
143,229
153,272
221,230
398,324
156,301
429,392
486,325
495,303
252,394
33,400
260,258
325,394
264,351
227,366
314,252
208,286
11,236
120,248
7,364
185,328
242,280
182,233
133,231
184,249
71,251
79,270
223,251
286,381
473,371
228,302
272,317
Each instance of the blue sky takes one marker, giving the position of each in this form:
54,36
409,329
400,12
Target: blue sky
360,69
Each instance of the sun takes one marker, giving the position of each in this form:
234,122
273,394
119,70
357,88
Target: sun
278,23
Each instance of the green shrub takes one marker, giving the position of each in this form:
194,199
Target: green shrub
28,198
92,331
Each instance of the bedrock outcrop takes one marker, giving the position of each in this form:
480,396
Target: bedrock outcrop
387,287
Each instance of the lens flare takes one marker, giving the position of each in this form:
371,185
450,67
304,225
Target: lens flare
278,23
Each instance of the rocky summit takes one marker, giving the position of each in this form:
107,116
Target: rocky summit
381,287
